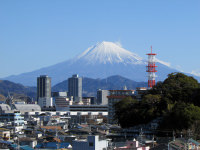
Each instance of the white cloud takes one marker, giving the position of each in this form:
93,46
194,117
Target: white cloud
164,63
196,72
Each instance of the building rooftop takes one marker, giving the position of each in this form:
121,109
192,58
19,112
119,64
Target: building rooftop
51,127
4,129
28,107
4,107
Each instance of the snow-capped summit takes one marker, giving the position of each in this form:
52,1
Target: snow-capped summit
108,52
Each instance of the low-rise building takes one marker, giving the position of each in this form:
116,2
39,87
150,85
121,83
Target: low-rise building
92,99
182,143
133,145
5,133
139,92
32,142
88,108
86,101
15,117
45,102
92,143
62,103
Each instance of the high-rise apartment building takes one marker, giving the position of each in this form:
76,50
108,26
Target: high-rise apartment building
75,88
44,91
102,97
43,86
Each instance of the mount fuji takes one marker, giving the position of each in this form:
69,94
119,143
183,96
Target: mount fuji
99,61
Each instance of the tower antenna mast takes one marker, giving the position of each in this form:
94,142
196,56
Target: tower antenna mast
151,69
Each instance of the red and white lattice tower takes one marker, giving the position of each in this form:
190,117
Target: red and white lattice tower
151,69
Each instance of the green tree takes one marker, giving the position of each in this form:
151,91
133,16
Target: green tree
130,112
183,116
176,100
177,87
196,97
122,111
151,99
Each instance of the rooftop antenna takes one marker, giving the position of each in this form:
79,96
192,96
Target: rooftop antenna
140,137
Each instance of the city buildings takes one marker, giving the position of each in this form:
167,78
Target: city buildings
44,91
15,117
182,143
75,88
133,145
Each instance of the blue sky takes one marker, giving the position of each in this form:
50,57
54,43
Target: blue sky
40,33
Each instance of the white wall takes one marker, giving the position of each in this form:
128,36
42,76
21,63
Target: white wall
85,145
45,101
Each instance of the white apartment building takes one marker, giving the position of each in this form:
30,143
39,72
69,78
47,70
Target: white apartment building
92,143
45,101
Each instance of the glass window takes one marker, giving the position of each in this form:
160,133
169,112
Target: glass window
91,144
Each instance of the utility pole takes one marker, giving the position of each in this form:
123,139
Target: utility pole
153,140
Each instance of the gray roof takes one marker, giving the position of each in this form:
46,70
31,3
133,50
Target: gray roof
27,107
4,107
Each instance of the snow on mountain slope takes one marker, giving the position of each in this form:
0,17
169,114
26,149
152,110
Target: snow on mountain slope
108,52
111,53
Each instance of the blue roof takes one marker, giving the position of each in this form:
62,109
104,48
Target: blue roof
52,145
5,142
26,147
79,127
193,141
14,145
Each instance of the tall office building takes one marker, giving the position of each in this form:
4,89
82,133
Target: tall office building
44,91
75,88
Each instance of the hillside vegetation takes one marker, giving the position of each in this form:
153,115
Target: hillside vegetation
14,89
176,101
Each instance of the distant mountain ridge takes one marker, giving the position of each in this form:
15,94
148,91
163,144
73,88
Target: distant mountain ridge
90,86
14,88
99,61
